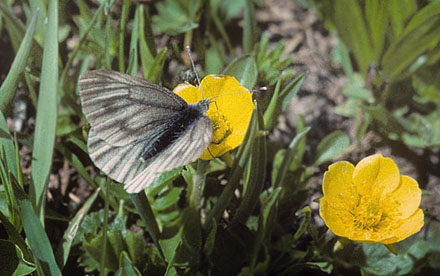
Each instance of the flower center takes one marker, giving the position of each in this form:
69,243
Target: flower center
368,213
220,126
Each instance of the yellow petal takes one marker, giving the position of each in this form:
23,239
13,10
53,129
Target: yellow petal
376,174
408,227
188,92
337,181
339,221
408,196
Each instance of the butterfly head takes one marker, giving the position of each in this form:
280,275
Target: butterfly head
204,105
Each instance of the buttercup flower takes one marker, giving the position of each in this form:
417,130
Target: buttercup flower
371,202
230,111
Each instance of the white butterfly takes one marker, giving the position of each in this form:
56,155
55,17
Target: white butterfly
140,129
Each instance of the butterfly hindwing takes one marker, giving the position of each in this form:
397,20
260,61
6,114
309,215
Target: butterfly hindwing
187,148
123,109
121,163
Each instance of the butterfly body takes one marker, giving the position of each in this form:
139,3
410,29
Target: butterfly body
176,128
140,129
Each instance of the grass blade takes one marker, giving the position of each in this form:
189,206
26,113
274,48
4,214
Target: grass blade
35,234
8,145
8,88
250,27
46,110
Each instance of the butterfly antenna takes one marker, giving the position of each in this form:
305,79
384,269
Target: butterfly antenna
188,50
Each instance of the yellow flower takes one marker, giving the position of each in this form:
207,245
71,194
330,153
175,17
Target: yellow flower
371,202
230,111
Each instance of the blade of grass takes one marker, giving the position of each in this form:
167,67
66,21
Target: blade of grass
46,112
15,27
6,179
124,18
156,69
102,269
8,145
8,87
250,27
147,58
35,234
133,64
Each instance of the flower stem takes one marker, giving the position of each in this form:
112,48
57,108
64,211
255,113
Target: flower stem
198,184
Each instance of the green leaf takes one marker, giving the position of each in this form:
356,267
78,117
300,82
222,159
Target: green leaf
145,39
377,15
250,27
126,268
8,145
268,211
155,72
331,146
46,111
36,235
389,124
355,88
11,260
135,246
255,176
188,250
176,17
352,29
70,233
399,12
288,156
420,35
167,200
14,26
244,69
290,90
95,248
133,58
15,237
9,85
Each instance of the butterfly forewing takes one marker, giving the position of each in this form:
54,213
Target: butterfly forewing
132,118
123,109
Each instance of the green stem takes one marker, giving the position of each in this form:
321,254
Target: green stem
143,207
102,270
198,184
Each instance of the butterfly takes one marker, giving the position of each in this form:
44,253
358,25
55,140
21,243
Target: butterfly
139,129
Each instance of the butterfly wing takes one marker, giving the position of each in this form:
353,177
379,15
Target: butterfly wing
185,149
123,109
121,163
